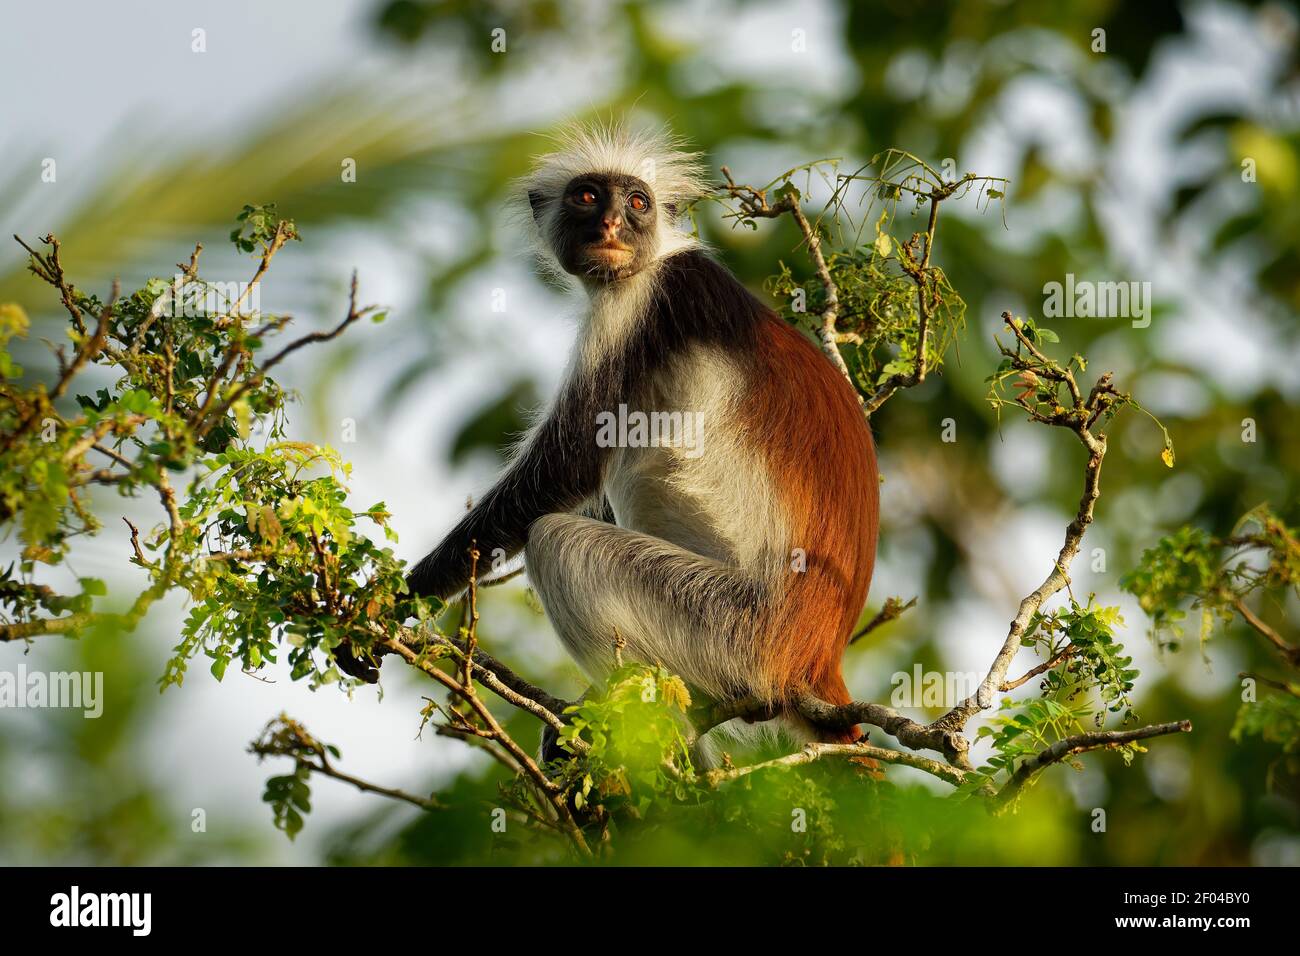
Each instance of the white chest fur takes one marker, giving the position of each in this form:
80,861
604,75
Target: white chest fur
683,469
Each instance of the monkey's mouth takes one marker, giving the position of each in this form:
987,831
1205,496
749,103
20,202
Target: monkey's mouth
610,252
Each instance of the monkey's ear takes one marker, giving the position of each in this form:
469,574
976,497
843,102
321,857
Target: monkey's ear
672,210
538,202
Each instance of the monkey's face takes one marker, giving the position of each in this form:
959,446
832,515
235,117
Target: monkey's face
606,227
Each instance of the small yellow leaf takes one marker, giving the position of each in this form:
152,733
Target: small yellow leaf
675,693
13,320
269,525
38,552
243,418
1028,384
1167,456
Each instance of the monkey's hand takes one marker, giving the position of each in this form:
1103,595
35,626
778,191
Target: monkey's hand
550,749
439,576
363,668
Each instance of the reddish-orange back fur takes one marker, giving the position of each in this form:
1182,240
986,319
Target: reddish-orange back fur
819,451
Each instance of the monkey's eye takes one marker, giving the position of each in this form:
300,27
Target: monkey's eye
638,202
586,197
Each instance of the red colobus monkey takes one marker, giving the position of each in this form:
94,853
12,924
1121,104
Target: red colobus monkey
738,553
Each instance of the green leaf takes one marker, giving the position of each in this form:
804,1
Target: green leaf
93,587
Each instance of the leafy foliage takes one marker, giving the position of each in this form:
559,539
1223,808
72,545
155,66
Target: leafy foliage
1086,635
1022,728
263,540
892,302
1093,670
1276,719
636,747
289,795
286,562
1217,576
1191,568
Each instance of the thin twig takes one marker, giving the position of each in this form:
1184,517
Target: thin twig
815,751
1042,668
1289,652
1078,744
892,611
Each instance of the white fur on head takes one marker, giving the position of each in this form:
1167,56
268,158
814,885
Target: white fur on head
656,157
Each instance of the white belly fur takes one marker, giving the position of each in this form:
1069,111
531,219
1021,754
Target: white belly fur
715,499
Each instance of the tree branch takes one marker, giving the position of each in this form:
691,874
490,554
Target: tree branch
1069,746
549,790
1058,578
1289,652
754,203
816,751
1042,668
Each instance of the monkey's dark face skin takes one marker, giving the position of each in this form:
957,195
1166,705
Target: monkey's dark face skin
605,230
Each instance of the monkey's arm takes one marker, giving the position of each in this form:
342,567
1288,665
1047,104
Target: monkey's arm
559,468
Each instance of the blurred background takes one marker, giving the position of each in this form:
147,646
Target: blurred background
1125,164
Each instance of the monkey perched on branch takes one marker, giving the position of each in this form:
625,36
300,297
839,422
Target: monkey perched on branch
739,561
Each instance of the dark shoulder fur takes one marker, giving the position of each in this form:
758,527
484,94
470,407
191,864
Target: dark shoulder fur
697,299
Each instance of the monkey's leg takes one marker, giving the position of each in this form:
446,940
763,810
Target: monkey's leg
599,583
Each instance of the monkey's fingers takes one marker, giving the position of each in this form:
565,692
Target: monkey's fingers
550,750
354,666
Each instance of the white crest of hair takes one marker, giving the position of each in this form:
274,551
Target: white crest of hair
658,158
655,156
